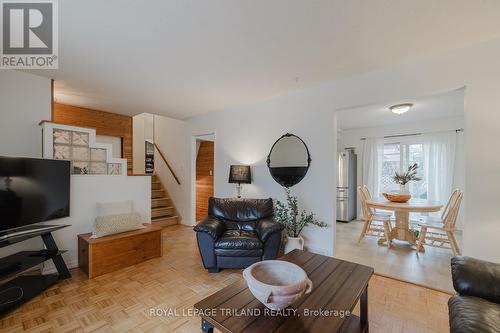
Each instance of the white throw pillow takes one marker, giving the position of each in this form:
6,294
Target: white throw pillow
113,224
115,208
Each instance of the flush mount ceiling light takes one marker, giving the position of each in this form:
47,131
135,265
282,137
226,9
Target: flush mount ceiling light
401,108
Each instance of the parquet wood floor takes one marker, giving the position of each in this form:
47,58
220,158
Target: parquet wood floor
121,301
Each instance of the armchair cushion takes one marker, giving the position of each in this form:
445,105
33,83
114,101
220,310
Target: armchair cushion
211,226
474,277
238,240
240,210
268,226
473,314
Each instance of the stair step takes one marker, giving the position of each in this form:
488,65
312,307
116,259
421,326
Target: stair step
157,194
157,203
156,186
161,211
166,221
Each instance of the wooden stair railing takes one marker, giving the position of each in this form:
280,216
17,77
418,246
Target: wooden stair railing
168,164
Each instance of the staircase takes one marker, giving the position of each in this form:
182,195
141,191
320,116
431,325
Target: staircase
163,213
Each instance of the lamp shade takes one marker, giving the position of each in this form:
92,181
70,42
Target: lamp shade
240,174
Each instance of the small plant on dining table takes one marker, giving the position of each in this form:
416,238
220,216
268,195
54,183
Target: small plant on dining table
407,176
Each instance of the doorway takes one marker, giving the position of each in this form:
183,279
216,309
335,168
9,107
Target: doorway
204,187
429,137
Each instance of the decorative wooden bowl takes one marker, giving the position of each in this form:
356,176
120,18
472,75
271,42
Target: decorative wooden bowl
277,283
397,197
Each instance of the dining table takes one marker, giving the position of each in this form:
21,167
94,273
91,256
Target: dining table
402,212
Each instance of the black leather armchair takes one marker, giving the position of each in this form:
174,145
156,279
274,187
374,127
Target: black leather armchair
237,233
476,308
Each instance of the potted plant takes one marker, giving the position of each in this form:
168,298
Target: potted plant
294,221
405,177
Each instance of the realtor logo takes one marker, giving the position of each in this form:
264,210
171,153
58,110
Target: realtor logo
29,34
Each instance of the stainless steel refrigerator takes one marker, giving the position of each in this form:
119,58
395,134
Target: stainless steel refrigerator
346,186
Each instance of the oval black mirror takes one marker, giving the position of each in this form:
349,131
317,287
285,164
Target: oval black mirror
288,160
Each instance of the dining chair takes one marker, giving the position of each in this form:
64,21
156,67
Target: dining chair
440,232
380,211
369,196
375,223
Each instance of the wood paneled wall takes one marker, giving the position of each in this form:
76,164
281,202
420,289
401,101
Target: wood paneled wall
204,178
105,123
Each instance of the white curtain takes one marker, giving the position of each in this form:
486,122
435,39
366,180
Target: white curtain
373,150
439,164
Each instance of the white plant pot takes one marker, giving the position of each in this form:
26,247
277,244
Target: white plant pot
294,243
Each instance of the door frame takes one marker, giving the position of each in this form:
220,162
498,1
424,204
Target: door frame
194,138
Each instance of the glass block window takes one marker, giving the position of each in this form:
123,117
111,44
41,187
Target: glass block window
81,168
81,154
62,152
114,169
98,155
80,139
74,146
98,168
61,136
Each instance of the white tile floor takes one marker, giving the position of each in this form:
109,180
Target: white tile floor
431,268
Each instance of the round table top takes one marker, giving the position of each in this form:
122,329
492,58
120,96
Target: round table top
413,205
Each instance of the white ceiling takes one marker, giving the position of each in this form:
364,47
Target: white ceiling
446,105
186,57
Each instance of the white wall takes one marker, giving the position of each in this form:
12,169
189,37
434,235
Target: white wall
114,141
86,192
24,102
246,136
352,139
148,127
173,138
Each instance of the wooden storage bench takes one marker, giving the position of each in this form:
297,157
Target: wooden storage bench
110,253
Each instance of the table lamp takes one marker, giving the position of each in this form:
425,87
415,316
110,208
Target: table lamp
240,174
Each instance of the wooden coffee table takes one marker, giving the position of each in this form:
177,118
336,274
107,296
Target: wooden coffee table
338,286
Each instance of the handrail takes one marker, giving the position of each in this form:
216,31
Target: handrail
166,162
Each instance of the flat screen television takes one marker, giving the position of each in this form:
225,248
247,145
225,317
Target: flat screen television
33,190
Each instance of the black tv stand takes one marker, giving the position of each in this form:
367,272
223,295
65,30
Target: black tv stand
21,288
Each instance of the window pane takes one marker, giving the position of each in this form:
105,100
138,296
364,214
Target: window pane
394,153
416,154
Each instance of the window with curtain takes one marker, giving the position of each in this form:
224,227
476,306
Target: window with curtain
397,156
435,154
